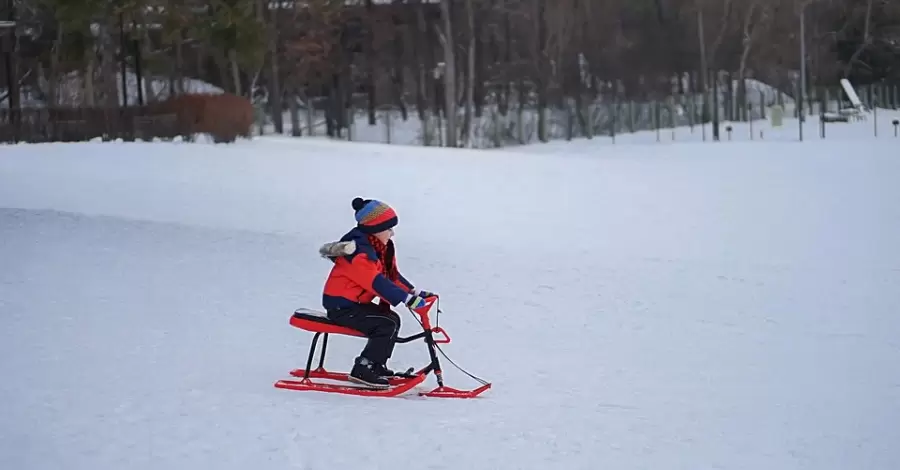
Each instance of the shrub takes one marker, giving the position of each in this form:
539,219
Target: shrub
224,117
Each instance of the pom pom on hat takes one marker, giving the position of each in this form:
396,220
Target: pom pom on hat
373,216
358,203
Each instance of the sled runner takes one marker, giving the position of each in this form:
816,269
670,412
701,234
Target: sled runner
318,323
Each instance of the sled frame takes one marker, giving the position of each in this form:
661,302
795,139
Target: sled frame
397,384
320,368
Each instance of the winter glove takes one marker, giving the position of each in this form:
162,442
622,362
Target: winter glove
423,293
414,302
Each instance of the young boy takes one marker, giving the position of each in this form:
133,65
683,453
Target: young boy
365,268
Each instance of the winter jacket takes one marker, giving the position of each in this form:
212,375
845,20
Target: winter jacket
359,278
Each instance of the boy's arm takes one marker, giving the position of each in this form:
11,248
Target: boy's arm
402,281
365,272
409,286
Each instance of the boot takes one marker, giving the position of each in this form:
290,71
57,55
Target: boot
364,373
382,371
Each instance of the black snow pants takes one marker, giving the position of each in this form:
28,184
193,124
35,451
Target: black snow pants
380,327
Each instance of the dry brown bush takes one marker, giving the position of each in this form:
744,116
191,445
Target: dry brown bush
224,117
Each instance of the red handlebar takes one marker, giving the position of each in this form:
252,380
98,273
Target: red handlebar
423,311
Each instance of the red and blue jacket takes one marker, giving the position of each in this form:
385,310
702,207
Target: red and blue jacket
359,277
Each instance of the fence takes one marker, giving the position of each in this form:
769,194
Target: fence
674,118
82,124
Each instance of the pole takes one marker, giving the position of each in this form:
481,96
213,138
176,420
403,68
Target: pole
802,99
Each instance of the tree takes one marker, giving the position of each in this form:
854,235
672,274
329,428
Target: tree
448,71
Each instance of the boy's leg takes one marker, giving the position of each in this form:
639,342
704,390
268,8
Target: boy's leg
396,318
380,329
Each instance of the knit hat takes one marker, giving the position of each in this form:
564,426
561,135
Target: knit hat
373,216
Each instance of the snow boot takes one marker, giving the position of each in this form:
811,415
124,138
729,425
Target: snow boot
381,370
364,373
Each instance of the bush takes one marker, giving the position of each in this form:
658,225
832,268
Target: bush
224,117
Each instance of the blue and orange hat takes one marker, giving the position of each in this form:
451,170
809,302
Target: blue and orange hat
373,216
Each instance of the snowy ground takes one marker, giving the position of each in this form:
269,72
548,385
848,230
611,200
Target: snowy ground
686,306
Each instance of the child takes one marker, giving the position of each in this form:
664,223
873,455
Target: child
365,268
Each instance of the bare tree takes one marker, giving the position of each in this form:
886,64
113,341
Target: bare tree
270,29
449,73
866,40
470,74
756,22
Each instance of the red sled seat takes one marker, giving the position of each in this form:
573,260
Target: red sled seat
318,322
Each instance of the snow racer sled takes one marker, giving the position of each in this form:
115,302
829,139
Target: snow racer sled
318,323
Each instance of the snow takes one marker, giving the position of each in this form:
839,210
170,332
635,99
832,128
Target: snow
677,305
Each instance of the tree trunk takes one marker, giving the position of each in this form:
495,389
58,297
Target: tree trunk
543,69
480,59
110,74
446,37
235,71
749,34
296,130
179,62
222,63
146,82
53,79
421,64
89,92
370,59
506,87
271,31
867,40
579,98
470,85
398,73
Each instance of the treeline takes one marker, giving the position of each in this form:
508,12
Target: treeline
427,56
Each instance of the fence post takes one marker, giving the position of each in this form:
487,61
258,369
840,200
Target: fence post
762,106
612,110
585,117
671,103
874,103
350,121
495,116
656,119
631,115
750,113
690,99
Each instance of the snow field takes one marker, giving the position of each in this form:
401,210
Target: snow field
660,306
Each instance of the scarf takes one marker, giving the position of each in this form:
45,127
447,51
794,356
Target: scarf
385,253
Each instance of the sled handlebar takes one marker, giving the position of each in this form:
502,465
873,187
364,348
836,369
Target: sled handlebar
422,311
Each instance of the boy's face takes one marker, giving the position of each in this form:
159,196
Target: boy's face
385,235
